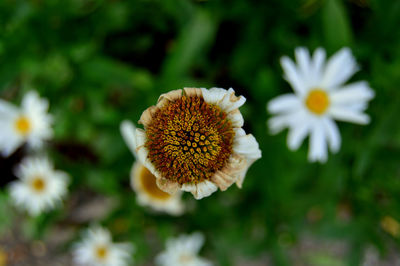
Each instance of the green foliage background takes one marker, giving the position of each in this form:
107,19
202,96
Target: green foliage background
101,61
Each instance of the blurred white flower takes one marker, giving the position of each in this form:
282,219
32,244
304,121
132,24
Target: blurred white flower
31,123
97,249
39,187
193,141
182,251
319,98
144,184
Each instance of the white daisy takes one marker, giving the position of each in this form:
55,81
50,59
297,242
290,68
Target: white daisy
320,97
182,251
31,123
143,181
97,249
39,187
193,141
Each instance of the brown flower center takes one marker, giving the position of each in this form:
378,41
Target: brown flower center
148,181
189,140
101,252
38,184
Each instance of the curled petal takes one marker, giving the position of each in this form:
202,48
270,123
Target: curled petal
169,97
147,115
225,99
192,92
246,146
231,172
200,190
167,185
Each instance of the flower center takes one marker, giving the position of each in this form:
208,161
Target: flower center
148,181
23,125
38,184
185,258
317,101
101,252
189,140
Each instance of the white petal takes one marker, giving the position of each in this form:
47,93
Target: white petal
357,107
332,134
231,102
33,103
128,129
304,63
10,145
318,150
284,103
213,95
340,67
292,75
195,241
142,152
140,137
352,93
246,145
236,118
278,123
349,115
297,134
225,99
318,63
7,109
200,190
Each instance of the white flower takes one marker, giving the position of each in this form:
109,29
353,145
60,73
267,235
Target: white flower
144,184
182,251
31,123
97,249
193,141
39,187
319,98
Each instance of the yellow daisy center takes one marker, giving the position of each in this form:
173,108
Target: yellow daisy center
23,125
38,184
189,140
317,101
148,181
101,252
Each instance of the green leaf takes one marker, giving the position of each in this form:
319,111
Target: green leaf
336,25
188,48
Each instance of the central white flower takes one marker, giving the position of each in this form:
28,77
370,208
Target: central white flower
193,140
319,97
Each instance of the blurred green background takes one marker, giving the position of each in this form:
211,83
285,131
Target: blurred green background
101,61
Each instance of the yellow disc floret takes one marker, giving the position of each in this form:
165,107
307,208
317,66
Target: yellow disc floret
189,140
38,184
317,101
23,125
101,252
